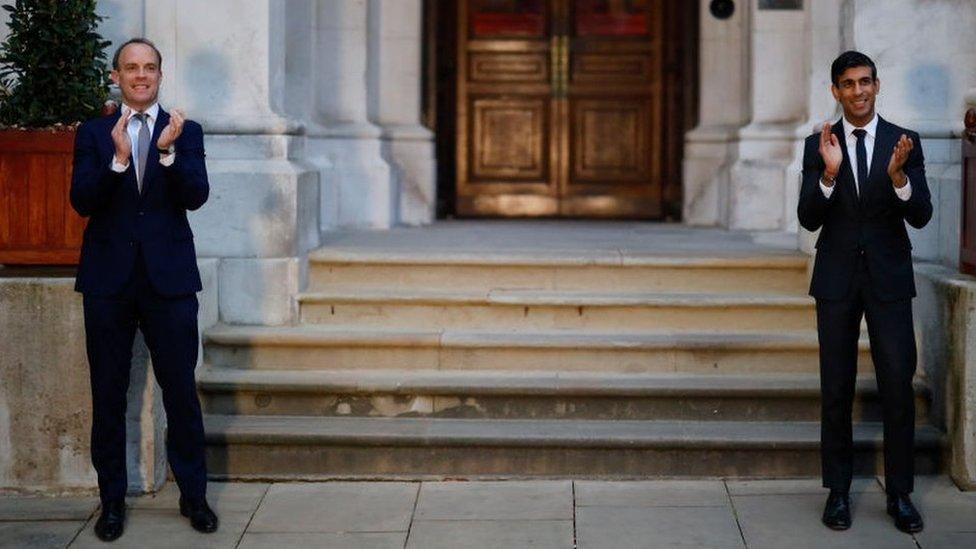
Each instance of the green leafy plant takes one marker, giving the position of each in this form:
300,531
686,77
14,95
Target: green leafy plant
52,65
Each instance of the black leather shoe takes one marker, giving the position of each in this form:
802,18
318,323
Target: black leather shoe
837,512
907,518
111,523
202,517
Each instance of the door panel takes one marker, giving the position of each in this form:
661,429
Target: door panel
509,140
509,67
508,18
610,141
612,17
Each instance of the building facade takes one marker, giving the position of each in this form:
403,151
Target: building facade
328,115
331,114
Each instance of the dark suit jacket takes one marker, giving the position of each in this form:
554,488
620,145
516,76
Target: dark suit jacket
872,225
122,221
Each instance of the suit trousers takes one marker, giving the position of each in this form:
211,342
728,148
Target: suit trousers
893,352
169,326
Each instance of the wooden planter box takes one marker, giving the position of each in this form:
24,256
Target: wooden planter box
37,224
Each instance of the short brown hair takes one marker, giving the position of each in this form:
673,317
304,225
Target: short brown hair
146,41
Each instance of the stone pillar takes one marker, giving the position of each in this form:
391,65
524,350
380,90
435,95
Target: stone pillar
723,107
824,40
394,78
357,183
777,71
262,215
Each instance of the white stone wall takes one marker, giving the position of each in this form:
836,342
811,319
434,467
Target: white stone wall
926,59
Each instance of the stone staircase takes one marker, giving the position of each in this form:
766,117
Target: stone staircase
420,364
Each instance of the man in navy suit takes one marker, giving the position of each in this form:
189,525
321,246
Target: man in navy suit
863,179
136,173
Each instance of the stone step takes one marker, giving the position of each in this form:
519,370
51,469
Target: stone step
545,309
529,395
350,347
784,273
289,448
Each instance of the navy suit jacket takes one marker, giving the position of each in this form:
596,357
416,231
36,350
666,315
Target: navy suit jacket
872,225
122,221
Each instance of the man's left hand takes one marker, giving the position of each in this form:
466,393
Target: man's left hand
172,130
898,158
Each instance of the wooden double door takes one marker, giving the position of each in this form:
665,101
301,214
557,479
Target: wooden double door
559,108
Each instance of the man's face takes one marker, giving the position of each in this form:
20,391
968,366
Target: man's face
855,91
138,76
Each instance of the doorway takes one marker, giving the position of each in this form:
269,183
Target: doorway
561,108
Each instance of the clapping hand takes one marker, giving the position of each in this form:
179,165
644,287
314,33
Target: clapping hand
899,156
172,130
831,153
120,136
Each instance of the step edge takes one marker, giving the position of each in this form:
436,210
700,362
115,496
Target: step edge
866,435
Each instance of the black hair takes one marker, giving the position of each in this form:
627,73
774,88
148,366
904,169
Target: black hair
850,59
147,42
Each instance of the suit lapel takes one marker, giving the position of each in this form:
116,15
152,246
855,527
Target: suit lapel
846,176
152,160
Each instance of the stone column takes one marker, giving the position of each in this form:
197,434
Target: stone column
357,183
777,72
228,72
723,107
824,40
395,86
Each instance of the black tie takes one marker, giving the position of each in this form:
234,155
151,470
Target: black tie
862,160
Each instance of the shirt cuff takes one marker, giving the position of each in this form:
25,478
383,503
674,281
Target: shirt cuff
905,192
119,168
827,191
167,159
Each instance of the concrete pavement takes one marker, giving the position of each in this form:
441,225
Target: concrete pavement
504,514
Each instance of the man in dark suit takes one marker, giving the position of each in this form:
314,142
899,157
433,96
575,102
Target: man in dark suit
136,173
863,179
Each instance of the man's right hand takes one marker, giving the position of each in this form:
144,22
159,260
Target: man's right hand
831,153
120,136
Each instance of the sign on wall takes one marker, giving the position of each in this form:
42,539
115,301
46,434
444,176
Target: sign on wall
781,4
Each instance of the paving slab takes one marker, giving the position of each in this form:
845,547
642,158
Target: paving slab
38,535
158,529
768,487
222,496
652,493
777,521
46,508
337,507
934,483
945,508
529,500
658,527
491,534
946,540
324,541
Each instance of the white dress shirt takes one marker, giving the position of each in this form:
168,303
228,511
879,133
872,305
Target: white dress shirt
871,129
133,128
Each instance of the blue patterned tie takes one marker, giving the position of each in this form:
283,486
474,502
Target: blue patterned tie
143,147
